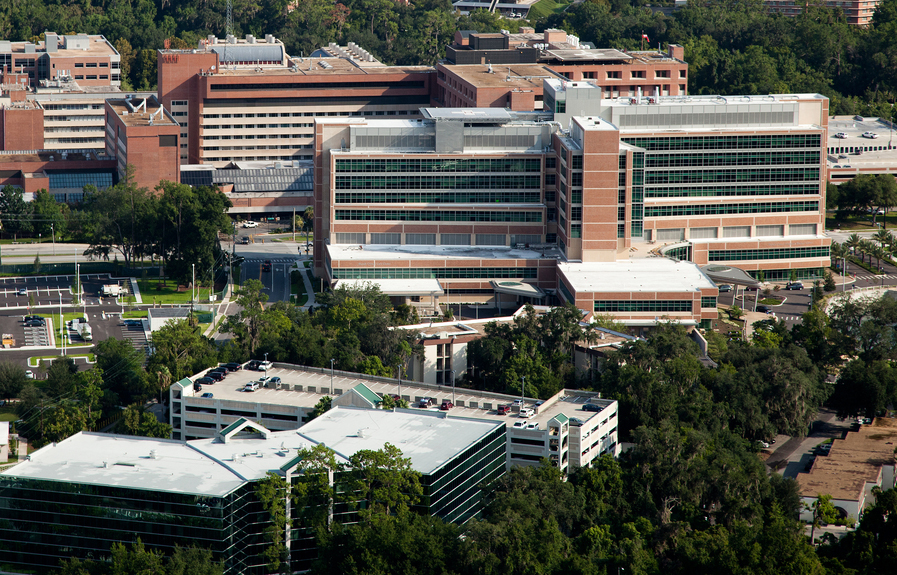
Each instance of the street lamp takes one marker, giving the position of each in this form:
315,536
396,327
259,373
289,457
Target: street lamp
399,368
266,367
331,375
523,387
53,231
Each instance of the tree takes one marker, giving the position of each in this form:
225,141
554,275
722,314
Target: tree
12,379
382,482
15,213
49,215
273,491
823,512
181,350
864,388
320,408
121,365
62,421
247,325
61,376
136,421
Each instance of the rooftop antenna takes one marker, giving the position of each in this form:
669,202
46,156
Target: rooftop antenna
228,27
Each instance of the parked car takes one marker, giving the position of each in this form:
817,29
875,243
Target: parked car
208,395
527,412
723,288
591,407
266,267
503,409
233,366
244,240
532,425
265,365
197,386
841,135
446,405
764,309
870,135
251,386
37,317
518,403
22,291
253,364
250,224
270,381
425,402
763,444
205,381
216,375
519,424
576,422
34,323
794,286
29,374
134,322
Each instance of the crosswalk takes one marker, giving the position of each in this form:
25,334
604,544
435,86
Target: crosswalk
272,260
877,277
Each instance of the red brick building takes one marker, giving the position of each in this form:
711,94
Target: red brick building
140,132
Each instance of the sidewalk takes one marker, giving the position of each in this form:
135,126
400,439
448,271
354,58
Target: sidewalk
308,287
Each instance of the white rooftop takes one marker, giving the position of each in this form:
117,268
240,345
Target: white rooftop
428,438
636,275
126,461
428,252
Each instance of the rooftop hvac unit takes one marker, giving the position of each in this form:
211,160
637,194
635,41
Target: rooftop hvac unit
250,39
325,65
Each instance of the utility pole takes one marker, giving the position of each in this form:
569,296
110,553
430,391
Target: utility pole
331,376
53,231
294,223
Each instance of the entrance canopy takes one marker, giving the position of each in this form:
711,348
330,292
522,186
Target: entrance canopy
518,289
729,275
396,287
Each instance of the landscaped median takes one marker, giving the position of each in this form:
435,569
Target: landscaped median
36,360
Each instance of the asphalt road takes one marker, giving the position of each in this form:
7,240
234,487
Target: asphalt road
277,279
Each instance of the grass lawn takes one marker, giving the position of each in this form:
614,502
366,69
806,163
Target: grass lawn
770,301
8,417
134,314
860,223
297,288
150,292
544,8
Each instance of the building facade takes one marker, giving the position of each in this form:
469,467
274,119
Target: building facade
856,12
89,60
143,134
506,70
247,100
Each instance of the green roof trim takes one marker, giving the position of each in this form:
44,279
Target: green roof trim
561,418
186,382
291,463
365,392
233,426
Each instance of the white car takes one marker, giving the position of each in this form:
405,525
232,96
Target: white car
870,135
250,224
521,424
841,135
29,374
527,412
251,386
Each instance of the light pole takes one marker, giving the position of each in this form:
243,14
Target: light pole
523,387
61,325
331,375
266,366
399,367
53,231
453,387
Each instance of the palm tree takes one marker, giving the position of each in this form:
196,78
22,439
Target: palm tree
853,242
879,253
883,237
838,253
866,247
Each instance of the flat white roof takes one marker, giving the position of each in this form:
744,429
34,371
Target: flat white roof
128,463
636,275
351,252
428,438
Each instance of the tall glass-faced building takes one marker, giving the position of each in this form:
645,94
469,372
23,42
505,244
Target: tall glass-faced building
78,497
479,199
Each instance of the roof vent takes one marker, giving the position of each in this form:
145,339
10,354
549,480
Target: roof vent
154,454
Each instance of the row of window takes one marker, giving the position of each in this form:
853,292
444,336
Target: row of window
419,182
252,126
732,175
491,165
438,198
642,306
748,190
768,254
435,273
257,137
437,216
718,209
746,158
657,143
